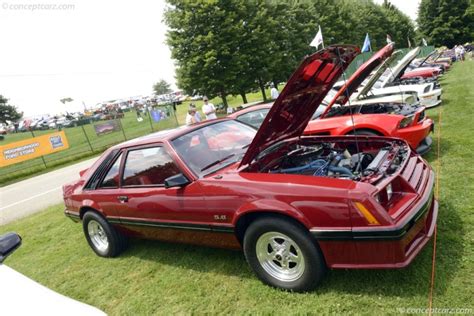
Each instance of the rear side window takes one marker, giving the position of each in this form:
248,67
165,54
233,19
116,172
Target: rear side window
148,166
254,118
111,179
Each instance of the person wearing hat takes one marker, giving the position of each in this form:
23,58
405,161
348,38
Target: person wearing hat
209,109
197,116
191,116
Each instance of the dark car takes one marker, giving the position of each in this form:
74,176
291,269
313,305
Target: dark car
295,204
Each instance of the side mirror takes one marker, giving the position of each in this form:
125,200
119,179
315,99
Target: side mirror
178,180
8,244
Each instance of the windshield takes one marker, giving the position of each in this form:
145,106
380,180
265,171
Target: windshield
215,146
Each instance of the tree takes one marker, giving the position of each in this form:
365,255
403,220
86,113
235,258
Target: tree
8,113
161,87
446,22
224,47
204,41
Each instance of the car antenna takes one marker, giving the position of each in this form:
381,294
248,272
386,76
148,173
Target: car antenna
350,110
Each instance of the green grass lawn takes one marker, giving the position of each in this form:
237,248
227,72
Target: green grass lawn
159,278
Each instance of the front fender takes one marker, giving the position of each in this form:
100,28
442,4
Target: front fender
270,206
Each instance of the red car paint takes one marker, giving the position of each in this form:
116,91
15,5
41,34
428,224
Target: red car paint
214,209
423,72
382,124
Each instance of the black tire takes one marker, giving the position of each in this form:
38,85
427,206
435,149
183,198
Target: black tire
363,132
314,265
116,242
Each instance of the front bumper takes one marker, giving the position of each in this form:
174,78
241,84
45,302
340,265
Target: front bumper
431,99
417,134
386,247
424,146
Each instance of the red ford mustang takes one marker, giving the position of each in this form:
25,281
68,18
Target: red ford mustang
405,121
297,205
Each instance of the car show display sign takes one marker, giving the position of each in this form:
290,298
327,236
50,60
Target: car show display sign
32,148
107,127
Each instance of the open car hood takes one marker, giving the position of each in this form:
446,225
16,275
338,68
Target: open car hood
300,98
400,67
426,58
362,93
343,95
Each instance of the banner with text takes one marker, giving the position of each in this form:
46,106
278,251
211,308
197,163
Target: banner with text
32,148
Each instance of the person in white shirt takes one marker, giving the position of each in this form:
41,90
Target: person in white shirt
209,109
274,92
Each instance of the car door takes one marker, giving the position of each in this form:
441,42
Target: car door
144,199
104,195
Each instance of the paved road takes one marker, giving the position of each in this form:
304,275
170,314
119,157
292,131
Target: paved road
35,194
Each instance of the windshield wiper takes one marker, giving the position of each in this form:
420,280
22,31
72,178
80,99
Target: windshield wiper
212,164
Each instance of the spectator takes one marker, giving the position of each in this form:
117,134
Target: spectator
274,92
197,115
457,52
462,51
191,116
209,109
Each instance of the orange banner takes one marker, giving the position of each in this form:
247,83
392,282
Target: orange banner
32,148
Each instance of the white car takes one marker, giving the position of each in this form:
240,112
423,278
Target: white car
23,296
385,81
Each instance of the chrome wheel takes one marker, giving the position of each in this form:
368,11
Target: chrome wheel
280,256
97,236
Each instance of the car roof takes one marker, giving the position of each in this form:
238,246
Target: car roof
250,108
165,135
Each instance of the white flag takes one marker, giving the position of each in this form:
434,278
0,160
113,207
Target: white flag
424,42
318,39
389,39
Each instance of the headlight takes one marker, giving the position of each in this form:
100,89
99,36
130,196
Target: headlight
407,121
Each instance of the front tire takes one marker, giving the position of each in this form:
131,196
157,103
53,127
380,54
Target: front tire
102,237
282,254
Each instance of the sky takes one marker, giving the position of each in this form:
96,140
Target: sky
409,7
90,51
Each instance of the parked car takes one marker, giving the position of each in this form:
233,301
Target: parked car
296,204
23,296
397,75
374,115
385,82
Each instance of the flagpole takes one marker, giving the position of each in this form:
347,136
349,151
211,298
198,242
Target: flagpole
322,38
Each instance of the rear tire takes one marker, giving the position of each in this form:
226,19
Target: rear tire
102,237
284,255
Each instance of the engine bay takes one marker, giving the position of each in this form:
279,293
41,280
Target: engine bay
358,160
375,108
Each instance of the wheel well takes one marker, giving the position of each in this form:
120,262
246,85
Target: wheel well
245,220
85,209
351,132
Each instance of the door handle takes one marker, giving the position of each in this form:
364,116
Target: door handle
122,198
